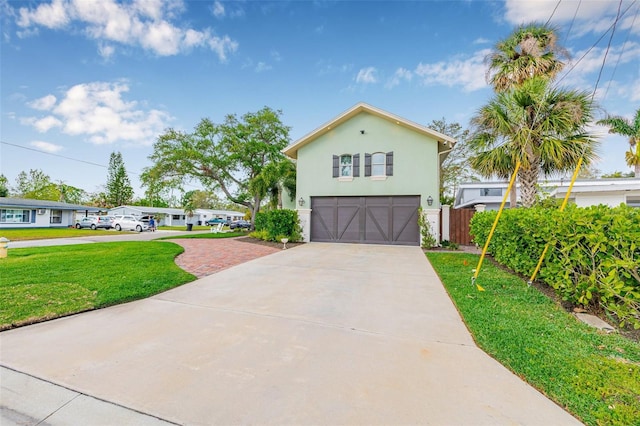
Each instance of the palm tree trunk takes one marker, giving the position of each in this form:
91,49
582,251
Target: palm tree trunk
513,197
528,186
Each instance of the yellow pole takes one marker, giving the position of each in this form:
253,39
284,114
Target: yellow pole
493,228
564,204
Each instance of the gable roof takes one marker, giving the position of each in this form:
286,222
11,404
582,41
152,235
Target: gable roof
292,150
43,204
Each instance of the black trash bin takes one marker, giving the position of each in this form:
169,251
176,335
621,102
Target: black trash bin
189,226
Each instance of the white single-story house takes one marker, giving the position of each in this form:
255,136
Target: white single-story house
585,192
27,213
166,216
362,176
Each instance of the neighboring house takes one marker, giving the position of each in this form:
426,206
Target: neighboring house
585,192
167,216
362,176
26,213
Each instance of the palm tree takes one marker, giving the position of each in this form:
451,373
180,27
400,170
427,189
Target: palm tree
622,126
530,51
274,179
542,127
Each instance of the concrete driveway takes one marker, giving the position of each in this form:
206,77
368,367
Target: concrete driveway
319,334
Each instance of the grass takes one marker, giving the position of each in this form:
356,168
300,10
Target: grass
228,234
23,234
184,228
594,376
47,282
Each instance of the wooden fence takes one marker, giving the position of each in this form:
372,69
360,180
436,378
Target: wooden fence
459,220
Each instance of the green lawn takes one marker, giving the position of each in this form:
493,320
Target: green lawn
46,282
184,228
228,234
22,234
595,376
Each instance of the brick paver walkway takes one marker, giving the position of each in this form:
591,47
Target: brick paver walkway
206,256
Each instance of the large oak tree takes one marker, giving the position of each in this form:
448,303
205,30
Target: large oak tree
229,157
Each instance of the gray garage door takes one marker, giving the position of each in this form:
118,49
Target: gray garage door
371,220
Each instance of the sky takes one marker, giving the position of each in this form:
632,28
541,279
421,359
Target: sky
80,79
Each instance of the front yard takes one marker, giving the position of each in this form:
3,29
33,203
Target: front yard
593,375
24,234
47,282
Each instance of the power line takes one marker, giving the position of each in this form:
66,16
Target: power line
624,45
572,22
76,159
553,13
606,53
54,155
595,44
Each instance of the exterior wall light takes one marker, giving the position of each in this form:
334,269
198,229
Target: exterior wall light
430,200
301,202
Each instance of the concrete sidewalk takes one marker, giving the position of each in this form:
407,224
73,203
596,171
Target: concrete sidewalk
321,334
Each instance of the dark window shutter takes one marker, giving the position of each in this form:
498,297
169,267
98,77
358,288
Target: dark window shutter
390,163
356,165
367,164
336,166
33,216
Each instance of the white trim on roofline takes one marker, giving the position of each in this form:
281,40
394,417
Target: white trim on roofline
292,150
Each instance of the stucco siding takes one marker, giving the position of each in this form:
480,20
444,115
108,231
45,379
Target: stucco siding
415,161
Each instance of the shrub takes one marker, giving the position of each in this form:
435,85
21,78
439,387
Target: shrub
593,257
428,240
273,225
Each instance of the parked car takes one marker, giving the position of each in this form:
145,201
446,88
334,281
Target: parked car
95,222
129,222
241,224
215,221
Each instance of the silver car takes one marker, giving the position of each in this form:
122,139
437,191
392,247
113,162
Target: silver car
130,223
95,222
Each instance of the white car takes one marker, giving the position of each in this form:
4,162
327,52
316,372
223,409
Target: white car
129,222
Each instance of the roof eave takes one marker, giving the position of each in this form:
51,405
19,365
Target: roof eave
292,150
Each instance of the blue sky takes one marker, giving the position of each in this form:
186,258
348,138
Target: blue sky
82,78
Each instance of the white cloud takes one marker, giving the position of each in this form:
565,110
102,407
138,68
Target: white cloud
466,72
144,23
98,111
45,124
522,12
401,74
586,62
106,51
262,66
367,76
218,9
46,146
43,104
53,15
481,41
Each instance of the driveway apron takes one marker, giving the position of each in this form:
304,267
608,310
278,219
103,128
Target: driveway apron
319,334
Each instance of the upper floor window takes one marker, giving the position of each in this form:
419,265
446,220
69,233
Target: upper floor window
378,164
346,165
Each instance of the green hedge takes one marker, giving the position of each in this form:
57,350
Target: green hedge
593,257
273,225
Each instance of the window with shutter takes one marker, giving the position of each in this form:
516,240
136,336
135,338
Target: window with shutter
390,163
336,166
346,165
367,164
378,164
356,165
